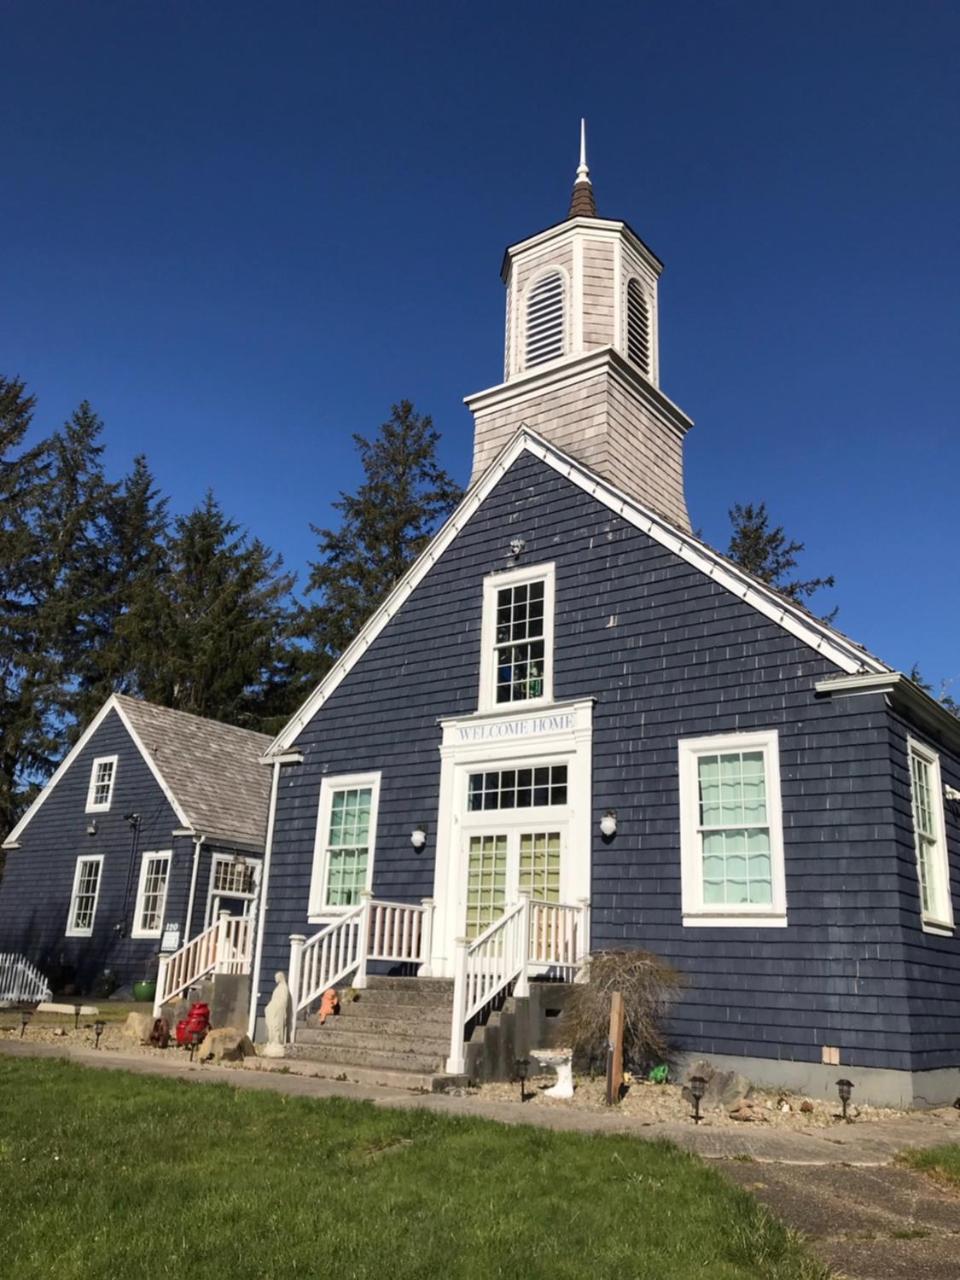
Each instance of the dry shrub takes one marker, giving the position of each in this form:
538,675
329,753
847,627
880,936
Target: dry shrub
649,986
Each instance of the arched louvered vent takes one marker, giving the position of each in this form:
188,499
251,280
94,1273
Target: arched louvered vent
545,319
638,326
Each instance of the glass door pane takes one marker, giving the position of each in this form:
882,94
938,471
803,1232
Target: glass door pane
540,865
486,882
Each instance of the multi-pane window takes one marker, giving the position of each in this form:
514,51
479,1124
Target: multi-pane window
486,882
517,788
520,642
233,878
540,865
152,895
348,846
734,829
731,830
545,319
100,790
86,890
932,864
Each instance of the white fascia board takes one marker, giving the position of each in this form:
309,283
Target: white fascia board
111,704
816,635
904,694
152,766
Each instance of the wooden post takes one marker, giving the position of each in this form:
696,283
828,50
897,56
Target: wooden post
426,938
522,987
615,1049
456,1060
293,980
161,992
363,940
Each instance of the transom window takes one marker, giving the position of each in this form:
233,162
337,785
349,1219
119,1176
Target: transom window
100,791
545,319
83,901
731,830
346,830
233,878
518,788
638,326
517,637
933,868
152,895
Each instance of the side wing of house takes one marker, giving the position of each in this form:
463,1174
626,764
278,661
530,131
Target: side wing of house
755,841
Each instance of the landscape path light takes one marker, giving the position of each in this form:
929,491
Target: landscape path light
520,1069
844,1088
698,1087
196,1038
25,1016
76,1018
98,1027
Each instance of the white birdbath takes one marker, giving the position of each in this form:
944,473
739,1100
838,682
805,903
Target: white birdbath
561,1061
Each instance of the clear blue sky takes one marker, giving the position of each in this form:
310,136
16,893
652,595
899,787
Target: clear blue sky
243,230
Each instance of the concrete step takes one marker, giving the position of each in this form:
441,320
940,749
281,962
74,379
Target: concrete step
377,1005
415,1081
335,1034
332,1055
381,982
377,1023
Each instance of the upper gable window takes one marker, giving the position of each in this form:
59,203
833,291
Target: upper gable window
731,830
933,867
102,777
517,638
545,319
638,326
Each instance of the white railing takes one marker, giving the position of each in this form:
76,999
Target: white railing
20,981
225,947
533,935
393,931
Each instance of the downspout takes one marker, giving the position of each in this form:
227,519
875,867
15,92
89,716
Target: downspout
197,842
262,902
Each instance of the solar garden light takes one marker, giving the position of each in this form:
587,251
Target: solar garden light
520,1068
844,1088
196,1039
25,1016
98,1027
698,1087
76,1018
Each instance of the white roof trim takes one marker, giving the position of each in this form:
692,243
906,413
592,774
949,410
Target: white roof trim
111,704
820,637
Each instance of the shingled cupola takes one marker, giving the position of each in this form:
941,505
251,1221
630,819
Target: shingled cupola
582,356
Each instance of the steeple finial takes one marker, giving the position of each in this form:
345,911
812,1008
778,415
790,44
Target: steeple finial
582,203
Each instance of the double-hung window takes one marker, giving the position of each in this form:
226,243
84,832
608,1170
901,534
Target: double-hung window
517,638
933,867
731,831
344,849
83,899
151,895
103,774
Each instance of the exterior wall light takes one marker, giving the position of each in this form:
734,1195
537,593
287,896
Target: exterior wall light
844,1088
92,827
608,824
418,837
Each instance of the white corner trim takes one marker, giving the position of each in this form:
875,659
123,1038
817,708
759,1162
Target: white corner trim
833,646
317,911
695,911
151,854
492,583
104,806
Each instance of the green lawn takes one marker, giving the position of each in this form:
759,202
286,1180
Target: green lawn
943,1162
107,1174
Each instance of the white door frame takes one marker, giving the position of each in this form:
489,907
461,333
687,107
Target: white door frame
557,734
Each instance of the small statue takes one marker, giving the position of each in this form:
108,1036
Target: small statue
329,1004
275,1016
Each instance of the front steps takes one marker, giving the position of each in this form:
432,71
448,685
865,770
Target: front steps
396,1032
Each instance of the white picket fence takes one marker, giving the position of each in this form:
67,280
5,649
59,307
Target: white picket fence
225,947
398,932
20,981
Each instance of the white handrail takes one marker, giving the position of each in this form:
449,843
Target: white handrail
21,981
555,937
224,947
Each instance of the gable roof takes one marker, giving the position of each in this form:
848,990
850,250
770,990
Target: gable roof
845,653
209,772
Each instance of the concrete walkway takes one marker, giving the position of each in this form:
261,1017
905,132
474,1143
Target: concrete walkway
865,1217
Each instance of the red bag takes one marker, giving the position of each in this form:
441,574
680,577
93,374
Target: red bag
198,1019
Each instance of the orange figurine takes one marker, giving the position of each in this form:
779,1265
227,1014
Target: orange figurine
329,1004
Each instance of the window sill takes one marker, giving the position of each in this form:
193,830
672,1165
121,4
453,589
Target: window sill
78,933
97,808
143,933
724,921
938,928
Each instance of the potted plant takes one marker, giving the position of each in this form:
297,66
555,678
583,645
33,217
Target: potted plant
146,988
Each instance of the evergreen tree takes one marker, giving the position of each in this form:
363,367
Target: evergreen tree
404,497
222,635
943,696
768,555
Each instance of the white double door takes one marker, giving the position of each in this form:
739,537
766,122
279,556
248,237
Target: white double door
502,859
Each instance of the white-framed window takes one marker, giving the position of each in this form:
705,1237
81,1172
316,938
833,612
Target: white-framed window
731,830
85,895
152,895
345,843
516,665
933,866
545,319
103,774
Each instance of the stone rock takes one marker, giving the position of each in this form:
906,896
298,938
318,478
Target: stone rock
747,1111
138,1027
226,1044
724,1088
59,1031
806,1106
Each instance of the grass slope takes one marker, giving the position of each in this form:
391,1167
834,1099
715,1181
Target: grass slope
943,1162
109,1174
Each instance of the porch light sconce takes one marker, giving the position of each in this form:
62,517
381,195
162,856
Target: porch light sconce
844,1088
516,546
608,824
418,837
92,827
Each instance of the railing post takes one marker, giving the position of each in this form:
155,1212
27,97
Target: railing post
456,1061
223,941
583,941
426,938
293,980
522,987
161,986
363,939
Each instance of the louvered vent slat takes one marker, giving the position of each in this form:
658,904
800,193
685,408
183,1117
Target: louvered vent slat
638,326
545,320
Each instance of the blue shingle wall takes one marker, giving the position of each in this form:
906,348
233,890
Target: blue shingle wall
682,657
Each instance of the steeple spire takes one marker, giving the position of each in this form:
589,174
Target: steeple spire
582,203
